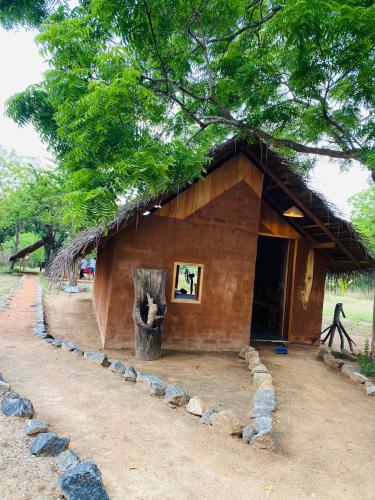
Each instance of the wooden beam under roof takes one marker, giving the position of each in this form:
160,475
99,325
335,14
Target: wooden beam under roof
309,213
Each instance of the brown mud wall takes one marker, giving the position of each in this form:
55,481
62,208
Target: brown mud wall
303,324
222,235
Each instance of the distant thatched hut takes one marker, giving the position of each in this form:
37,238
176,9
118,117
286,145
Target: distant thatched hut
246,248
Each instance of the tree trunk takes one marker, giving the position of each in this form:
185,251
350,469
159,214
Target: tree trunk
149,311
73,274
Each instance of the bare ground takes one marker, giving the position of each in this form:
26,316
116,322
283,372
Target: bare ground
147,450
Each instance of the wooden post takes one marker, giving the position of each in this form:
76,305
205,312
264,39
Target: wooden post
149,311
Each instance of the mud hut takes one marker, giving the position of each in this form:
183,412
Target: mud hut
246,249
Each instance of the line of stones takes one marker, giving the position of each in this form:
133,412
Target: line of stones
343,361
5,302
225,421
259,431
79,480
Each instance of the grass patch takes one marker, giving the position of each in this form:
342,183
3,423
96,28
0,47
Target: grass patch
357,306
8,283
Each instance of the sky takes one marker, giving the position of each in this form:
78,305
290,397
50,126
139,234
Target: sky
22,65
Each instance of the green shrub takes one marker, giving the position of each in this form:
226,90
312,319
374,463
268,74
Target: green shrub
365,361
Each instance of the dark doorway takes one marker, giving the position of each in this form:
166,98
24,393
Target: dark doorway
269,289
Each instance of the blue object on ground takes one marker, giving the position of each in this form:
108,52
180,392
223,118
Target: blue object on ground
281,350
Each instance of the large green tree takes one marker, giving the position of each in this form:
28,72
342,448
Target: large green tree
27,13
138,91
31,200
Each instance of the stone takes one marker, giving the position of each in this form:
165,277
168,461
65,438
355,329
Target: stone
332,361
176,395
260,412
99,358
4,387
196,406
259,369
49,340
77,352
13,405
67,458
264,398
117,367
247,433
227,422
262,424
262,380
130,374
244,350
33,427
48,444
265,440
347,369
44,335
206,417
370,390
67,345
83,482
156,388
323,350
353,373
2,379
57,343
253,359
251,354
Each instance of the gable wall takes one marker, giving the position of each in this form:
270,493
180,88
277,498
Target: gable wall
222,235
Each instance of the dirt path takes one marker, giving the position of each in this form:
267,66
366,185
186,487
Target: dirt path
147,450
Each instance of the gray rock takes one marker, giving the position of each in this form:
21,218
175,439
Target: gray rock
259,369
176,395
148,378
77,352
206,417
370,390
260,412
48,444
2,379
265,398
99,358
57,343
265,440
247,433
44,335
262,424
83,482
347,369
49,340
244,350
33,427
67,459
130,374
13,405
157,388
67,345
117,367
4,387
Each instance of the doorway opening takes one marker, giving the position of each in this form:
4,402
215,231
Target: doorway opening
270,289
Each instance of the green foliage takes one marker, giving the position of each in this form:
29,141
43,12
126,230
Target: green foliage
31,201
138,92
28,13
344,285
363,214
365,361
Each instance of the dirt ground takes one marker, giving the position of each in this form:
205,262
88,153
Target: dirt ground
146,450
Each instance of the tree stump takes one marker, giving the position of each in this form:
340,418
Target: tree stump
336,325
149,311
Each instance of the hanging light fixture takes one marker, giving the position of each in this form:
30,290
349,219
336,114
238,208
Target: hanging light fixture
293,211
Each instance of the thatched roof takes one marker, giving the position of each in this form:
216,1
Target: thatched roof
283,187
25,251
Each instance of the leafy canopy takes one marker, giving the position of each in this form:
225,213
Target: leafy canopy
138,92
363,214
